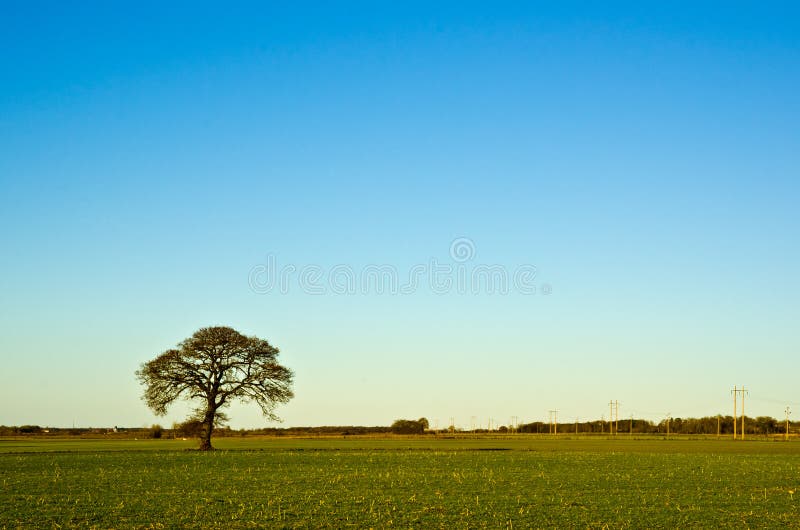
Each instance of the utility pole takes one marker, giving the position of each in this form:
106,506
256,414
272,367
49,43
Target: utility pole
613,418
743,392
669,417
554,421
734,391
576,425
787,411
717,425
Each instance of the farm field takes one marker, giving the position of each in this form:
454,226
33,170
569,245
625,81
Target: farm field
400,482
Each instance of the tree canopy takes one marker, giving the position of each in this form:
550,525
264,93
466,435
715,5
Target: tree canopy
212,368
409,426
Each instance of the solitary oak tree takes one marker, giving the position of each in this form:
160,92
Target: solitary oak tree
212,368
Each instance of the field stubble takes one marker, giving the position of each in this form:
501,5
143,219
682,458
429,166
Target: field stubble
403,483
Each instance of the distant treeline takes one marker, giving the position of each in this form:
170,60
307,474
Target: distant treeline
707,425
187,431
762,425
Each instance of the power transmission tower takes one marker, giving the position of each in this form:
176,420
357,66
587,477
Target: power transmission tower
613,419
553,421
787,411
736,391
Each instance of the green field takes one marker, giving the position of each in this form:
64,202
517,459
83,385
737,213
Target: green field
449,483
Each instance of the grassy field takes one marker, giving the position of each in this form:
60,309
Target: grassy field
449,483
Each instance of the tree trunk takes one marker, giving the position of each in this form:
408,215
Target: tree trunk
208,428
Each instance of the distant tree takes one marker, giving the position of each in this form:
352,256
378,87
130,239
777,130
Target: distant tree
425,424
212,368
156,431
191,428
766,425
407,427
30,429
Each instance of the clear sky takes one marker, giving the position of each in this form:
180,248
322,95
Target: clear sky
154,161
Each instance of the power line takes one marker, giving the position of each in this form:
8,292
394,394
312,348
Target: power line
776,401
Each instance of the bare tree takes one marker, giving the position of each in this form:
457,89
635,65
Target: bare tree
212,368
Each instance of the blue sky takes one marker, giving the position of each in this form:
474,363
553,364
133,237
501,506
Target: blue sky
643,158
